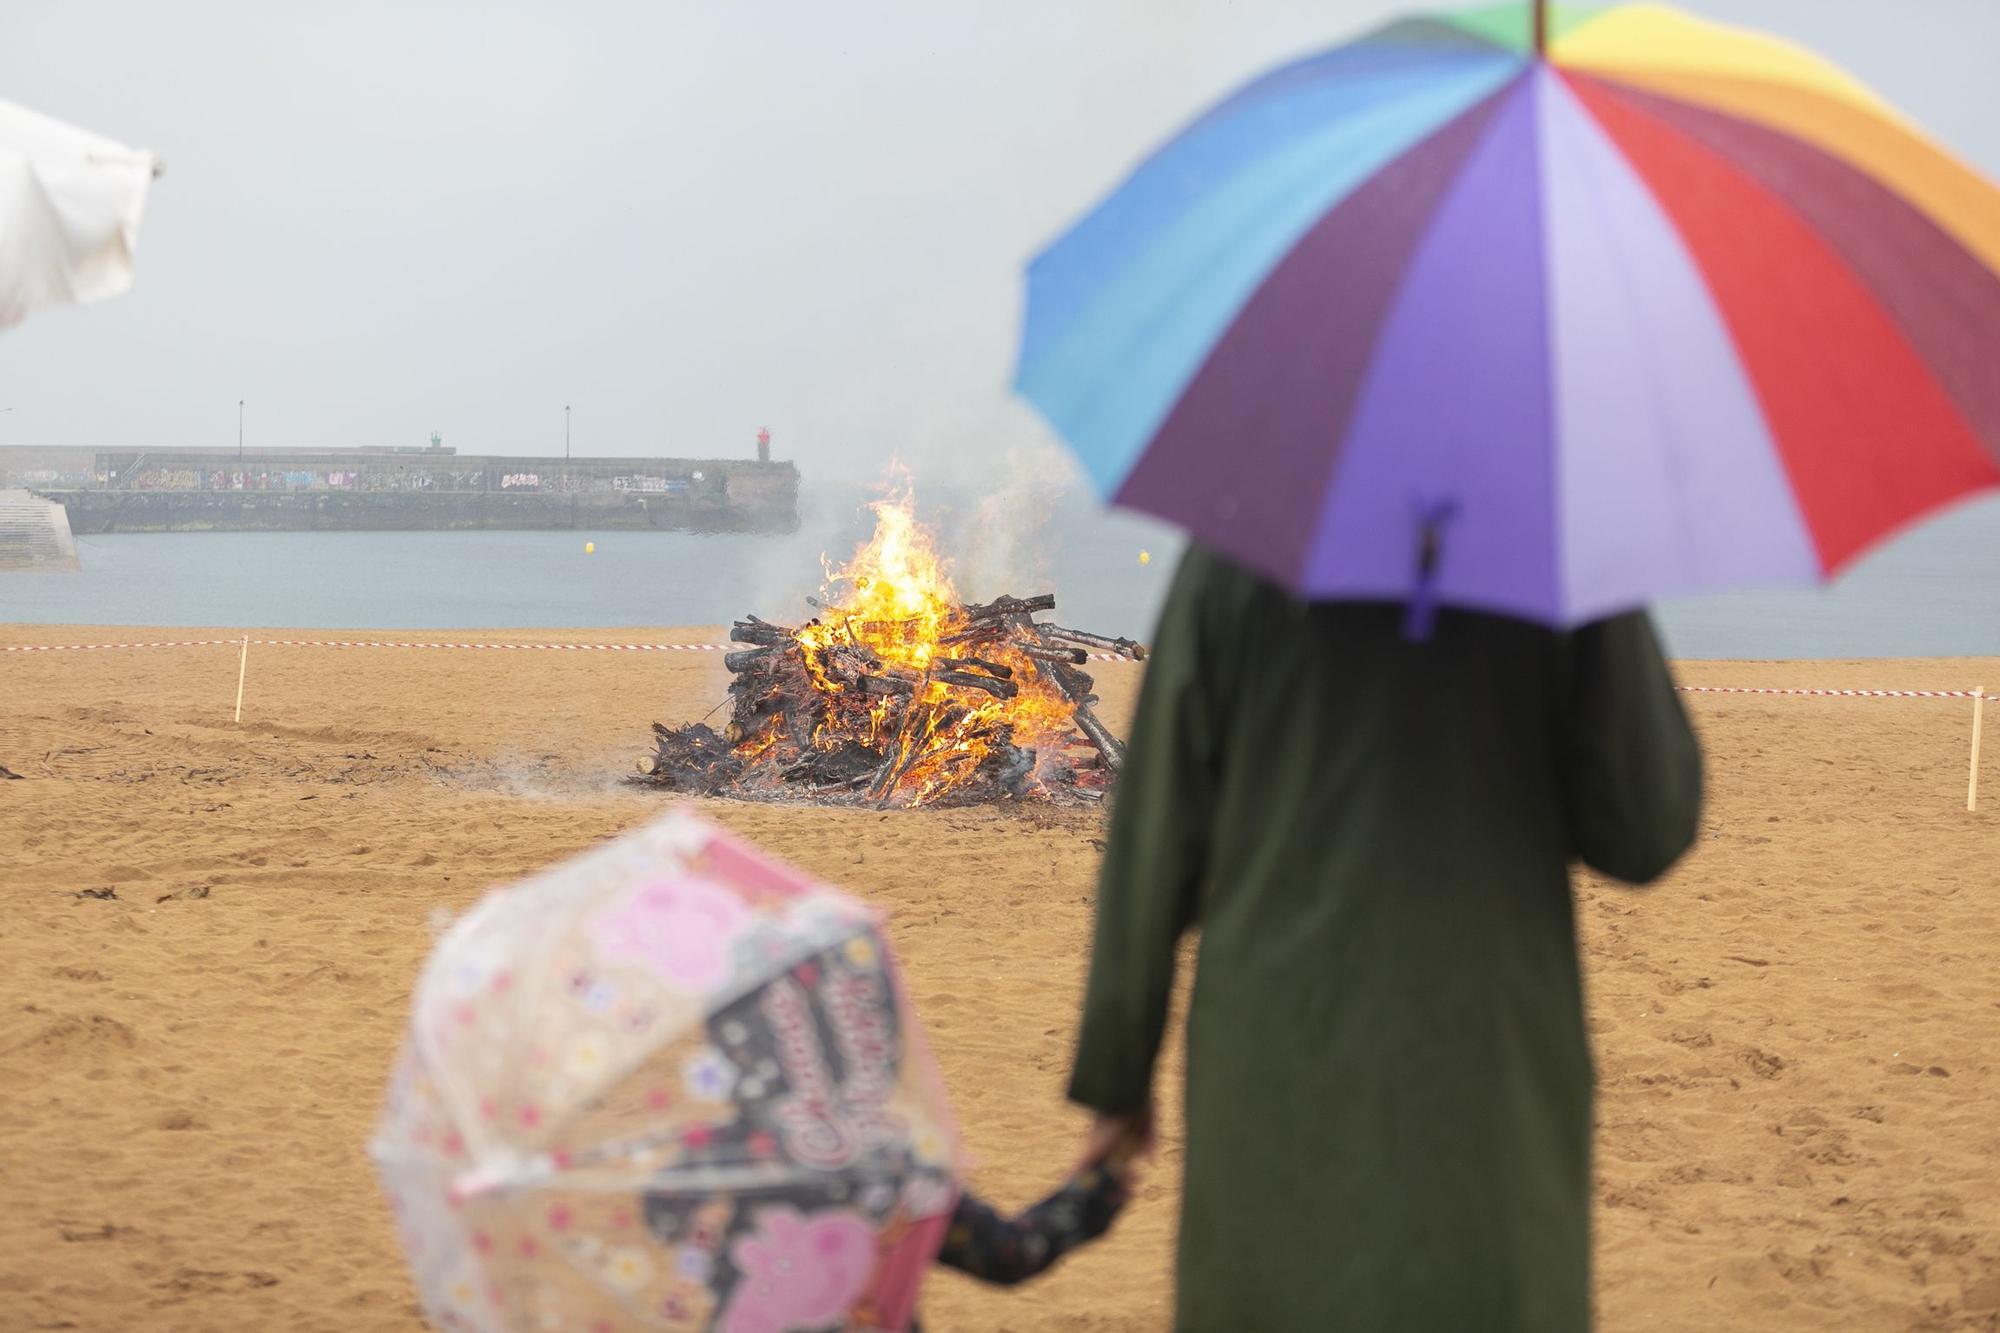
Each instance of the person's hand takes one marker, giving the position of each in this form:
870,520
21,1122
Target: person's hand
1117,1141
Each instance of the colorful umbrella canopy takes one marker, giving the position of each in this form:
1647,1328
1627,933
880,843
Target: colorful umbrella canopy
1550,326
669,1085
70,204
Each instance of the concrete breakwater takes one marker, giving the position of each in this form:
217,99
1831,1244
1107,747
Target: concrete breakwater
93,512
207,494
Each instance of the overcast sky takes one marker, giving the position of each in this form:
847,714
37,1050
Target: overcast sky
686,219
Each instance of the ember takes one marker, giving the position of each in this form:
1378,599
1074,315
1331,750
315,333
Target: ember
898,693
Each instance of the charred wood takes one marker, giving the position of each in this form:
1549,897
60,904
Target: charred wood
1107,744
748,658
1010,606
758,631
1123,647
1075,686
1002,689
1042,652
998,669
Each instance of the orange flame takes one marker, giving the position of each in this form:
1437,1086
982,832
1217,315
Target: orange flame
895,595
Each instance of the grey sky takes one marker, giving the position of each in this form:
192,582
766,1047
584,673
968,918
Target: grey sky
687,219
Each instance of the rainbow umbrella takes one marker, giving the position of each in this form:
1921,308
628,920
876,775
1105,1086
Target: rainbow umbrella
1547,312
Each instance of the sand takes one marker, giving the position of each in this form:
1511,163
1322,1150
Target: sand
1797,1035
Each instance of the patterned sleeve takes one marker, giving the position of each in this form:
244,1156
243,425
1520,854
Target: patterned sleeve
1004,1251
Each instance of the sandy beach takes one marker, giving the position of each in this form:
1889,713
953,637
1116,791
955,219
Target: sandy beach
211,931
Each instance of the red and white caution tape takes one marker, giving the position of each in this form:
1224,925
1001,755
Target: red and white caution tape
371,643
500,647
727,647
1834,694
385,643
99,647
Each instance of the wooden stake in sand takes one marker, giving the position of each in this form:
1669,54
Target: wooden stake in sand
1972,783
243,667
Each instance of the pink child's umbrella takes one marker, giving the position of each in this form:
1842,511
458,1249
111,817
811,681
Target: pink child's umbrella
668,1085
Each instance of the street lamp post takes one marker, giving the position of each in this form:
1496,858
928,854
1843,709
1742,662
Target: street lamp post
565,432
239,431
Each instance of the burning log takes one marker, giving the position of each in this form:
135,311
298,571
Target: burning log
1003,689
850,661
998,618
888,685
885,778
975,664
992,631
748,659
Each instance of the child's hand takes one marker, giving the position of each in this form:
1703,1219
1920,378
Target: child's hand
1118,1142
1122,1179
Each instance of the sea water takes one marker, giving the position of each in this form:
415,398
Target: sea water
1935,592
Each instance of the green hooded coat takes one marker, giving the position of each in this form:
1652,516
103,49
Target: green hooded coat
1388,1080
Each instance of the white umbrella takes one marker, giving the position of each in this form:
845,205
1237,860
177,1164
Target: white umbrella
70,204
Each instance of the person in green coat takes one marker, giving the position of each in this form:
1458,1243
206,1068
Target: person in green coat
1389,1084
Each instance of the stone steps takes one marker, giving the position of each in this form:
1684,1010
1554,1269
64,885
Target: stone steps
34,534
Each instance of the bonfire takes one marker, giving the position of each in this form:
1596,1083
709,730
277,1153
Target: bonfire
897,692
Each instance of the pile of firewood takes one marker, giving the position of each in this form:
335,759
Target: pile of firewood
839,711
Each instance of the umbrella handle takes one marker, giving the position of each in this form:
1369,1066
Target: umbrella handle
479,1181
498,1173
1421,617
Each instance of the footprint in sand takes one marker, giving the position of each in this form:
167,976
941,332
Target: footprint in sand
77,1233
92,1034
1763,1064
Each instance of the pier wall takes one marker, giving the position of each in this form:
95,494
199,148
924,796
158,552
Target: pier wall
705,496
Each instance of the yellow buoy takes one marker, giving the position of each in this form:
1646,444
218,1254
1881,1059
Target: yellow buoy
590,548
1145,557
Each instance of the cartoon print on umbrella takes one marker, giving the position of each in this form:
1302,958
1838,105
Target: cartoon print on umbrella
810,1057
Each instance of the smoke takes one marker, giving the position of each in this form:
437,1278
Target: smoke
776,575
1008,539
935,407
